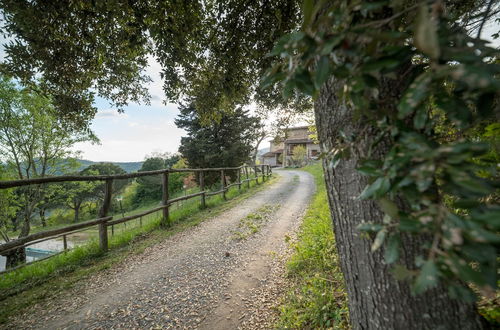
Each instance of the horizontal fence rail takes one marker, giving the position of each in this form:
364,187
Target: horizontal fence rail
65,178
104,221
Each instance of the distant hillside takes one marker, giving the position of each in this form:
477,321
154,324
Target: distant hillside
127,166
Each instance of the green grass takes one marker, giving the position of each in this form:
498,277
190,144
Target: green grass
33,283
317,297
489,308
252,223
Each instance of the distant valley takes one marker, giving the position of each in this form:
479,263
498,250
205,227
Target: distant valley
127,166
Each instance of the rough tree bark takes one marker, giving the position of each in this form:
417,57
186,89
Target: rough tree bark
41,212
18,256
77,214
76,208
261,138
376,299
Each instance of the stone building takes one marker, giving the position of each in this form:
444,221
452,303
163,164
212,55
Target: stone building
280,153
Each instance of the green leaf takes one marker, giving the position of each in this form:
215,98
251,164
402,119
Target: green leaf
322,71
454,107
466,203
379,240
478,77
376,189
480,252
369,171
391,253
370,81
303,82
492,130
425,181
341,71
465,272
371,6
401,273
475,186
288,88
414,95
358,85
370,227
485,104
489,216
271,78
359,101
409,225
461,292
331,43
280,47
426,38
389,207
379,64
420,118
483,236
307,11
428,278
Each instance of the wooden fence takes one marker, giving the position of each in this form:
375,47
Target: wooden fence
104,221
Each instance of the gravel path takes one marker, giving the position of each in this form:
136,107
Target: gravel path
202,278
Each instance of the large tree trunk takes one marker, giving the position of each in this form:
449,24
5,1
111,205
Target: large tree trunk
42,217
77,211
15,257
18,256
256,151
376,299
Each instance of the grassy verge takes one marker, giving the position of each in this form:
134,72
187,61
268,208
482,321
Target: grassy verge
33,283
317,297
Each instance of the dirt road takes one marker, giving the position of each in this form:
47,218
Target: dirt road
225,273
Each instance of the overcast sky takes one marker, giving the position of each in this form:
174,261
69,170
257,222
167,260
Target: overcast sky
143,129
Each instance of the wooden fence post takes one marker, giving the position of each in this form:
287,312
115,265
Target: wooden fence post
165,221
65,243
202,188
103,212
247,177
239,179
256,174
263,174
223,184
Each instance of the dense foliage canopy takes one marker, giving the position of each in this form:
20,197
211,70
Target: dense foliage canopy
34,143
104,46
227,143
149,188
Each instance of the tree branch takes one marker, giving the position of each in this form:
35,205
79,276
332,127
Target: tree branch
485,18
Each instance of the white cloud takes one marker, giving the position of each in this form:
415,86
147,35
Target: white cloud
110,113
156,85
134,143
